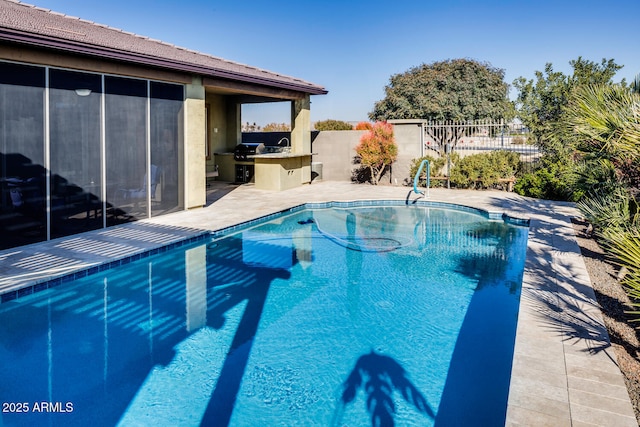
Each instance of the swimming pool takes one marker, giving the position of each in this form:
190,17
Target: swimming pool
319,316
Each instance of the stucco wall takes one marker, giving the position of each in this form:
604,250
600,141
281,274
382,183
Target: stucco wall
336,151
408,141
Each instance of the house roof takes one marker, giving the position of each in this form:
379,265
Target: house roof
26,24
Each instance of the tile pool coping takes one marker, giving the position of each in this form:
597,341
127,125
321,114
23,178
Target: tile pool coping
564,370
42,284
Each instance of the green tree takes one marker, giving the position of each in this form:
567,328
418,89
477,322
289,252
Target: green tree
377,150
541,103
332,125
457,89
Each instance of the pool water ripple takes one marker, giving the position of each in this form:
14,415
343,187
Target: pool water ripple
298,320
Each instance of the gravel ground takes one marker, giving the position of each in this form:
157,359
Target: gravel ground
614,302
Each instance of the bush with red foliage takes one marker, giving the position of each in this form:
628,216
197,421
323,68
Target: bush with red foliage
364,126
377,150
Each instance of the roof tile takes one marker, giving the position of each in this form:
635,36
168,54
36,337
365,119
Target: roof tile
37,22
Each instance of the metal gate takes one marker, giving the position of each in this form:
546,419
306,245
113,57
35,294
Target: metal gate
466,138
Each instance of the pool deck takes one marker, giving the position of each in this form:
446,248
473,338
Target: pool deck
564,368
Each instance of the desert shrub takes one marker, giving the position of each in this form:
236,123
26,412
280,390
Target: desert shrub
550,181
276,127
332,125
569,180
609,210
519,140
377,150
625,246
361,174
615,218
484,170
364,126
590,176
436,165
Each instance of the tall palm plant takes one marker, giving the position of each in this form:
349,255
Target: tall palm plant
607,210
618,229
606,123
625,246
606,119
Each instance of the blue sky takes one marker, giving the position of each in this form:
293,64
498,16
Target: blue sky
352,48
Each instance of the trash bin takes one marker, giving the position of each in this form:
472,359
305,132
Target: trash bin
316,171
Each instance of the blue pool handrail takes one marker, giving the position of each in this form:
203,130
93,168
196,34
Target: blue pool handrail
416,179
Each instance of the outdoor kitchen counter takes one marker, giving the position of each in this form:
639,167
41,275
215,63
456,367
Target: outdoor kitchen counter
281,171
278,155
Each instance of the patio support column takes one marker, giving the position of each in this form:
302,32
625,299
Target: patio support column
194,167
301,125
301,133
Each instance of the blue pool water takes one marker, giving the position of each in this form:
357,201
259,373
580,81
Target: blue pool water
329,317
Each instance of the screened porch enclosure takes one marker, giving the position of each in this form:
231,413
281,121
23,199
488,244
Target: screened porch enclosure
82,151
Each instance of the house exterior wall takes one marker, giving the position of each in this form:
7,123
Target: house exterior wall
223,134
216,129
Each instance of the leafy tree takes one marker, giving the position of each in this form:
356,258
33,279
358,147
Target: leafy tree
377,150
458,89
544,107
541,103
333,125
276,127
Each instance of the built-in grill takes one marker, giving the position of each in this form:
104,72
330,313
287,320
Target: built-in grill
242,151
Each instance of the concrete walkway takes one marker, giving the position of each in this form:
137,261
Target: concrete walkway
564,369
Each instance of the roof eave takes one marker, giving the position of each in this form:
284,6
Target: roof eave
68,46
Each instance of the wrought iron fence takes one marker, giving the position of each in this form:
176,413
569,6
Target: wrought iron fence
466,138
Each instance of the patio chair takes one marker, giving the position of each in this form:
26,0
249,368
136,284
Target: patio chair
137,194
